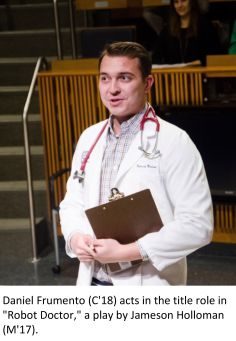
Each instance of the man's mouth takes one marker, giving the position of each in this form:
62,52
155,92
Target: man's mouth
115,101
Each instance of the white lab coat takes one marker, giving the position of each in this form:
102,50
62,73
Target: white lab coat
179,186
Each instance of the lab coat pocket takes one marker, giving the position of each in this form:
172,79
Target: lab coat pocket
147,172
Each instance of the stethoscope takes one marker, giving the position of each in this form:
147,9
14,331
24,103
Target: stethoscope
149,115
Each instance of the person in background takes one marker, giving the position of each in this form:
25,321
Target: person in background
174,173
232,43
189,35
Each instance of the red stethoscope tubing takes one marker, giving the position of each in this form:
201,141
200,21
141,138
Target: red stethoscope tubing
85,160
145,118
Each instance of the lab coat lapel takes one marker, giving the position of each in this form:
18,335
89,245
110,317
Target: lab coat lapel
135,153
95,169
130,158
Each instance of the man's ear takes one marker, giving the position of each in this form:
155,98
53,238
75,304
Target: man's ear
148,82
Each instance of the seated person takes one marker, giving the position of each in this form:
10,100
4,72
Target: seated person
232,44
189,36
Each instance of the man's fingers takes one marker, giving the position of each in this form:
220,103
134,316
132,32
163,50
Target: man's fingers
98,242
85,259
87,251
84,256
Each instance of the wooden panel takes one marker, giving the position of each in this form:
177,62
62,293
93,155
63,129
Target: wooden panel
68,105
93,4
113,4
221,60
75,65
153,3
222,1
225,65
225,223
178,86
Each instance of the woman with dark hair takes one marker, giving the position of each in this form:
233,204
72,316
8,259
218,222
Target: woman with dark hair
189,35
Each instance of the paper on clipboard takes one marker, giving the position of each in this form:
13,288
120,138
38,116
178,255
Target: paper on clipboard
177,65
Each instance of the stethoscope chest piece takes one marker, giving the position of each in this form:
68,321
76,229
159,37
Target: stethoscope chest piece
150,155
80,175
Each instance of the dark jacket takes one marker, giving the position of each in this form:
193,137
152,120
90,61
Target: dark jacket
171,50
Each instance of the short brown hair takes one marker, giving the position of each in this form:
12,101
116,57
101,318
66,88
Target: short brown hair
131,50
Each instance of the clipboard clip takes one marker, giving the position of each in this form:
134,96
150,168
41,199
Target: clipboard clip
115,194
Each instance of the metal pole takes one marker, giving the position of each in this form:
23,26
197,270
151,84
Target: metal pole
72,29
28,160
57,27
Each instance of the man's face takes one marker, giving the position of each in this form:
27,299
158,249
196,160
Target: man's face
122,88
182,7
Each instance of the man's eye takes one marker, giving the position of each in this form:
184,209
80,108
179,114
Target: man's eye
103,78
125,78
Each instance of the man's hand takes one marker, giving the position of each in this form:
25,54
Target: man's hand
111,251
82,246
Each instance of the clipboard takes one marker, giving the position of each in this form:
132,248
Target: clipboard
126,220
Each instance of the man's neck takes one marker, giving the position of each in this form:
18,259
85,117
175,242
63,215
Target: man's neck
117,121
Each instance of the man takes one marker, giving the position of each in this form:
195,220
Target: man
175,175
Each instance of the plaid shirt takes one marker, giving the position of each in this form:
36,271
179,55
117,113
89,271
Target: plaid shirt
115,150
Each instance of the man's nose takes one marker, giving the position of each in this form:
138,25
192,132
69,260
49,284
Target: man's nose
114,87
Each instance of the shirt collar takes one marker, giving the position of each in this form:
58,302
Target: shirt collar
131,125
